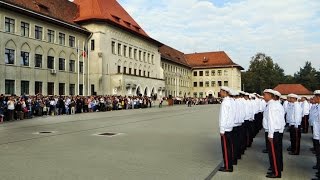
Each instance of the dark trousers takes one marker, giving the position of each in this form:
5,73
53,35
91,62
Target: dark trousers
243,144
266,139
305,124
274,149
281,151
236,143
226,144
296,137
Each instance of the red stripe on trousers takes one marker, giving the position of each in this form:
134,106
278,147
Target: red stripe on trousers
225,152
274,159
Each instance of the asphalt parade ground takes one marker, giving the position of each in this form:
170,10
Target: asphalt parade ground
170,143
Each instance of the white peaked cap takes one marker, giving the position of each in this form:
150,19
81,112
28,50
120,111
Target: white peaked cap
277,93
293,96
268,91
224,88
234,93
316,92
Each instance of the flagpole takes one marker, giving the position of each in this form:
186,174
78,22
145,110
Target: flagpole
83,68
78,49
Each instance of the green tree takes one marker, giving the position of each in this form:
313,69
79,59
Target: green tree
263,73
308,76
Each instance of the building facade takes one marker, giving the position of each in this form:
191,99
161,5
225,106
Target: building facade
94,47
38,53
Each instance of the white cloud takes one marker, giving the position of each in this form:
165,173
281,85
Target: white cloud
288,31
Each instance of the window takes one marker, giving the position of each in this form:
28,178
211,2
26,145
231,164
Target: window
119,49
213,73
207,83
135,71
148,58
24,58
119,69
9,86
226,83
135,54
38,87
9,25
72,66
148,74
200,84
24,87
62,39
50,36
226,72
213,83
61,89
207,73
195,73
130,52
81,89
72,89
130,70
50,88
140,55
195,94
81,67
62,64
9,56
219,83
25,29
113,47
144,73
38,32
195,84
38,60
125,51
200,94
50,64
200,73
72,41
139,72
92,45
124,70
219,72
152,59
144,57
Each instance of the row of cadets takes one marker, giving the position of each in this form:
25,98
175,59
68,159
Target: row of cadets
294,117
315,120
274,123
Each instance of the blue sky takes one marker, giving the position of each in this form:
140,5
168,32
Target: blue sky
287,30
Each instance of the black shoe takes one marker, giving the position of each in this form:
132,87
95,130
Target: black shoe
223,169
272,176
295,154
312,149
315,167
269,169
264,151
289,149
270,173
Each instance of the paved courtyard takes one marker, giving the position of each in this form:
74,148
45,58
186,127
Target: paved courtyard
171,143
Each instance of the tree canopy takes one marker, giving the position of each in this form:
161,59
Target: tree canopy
264,73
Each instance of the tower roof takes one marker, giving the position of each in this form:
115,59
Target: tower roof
107,10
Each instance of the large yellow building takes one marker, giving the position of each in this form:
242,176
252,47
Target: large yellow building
87,47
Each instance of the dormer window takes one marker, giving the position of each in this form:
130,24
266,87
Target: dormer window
127,23
116,18
43,8
205,59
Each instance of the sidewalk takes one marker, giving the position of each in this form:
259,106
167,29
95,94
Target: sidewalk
254,164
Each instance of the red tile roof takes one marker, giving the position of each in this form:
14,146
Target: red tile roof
298,89
173,55
210,60
107,10
62,10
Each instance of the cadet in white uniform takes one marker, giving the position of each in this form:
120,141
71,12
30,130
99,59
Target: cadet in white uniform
305,114
226,124
294,116
274,117
315,115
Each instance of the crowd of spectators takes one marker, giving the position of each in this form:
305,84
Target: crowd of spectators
25,107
